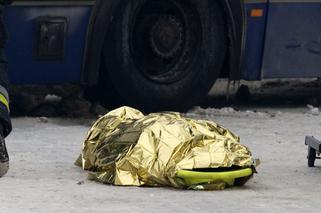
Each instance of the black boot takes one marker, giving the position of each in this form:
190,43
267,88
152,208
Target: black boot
4,157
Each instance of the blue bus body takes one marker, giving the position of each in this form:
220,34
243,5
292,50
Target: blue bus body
283,42
22,22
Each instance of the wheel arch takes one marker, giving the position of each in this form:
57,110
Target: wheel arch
236,25
102,16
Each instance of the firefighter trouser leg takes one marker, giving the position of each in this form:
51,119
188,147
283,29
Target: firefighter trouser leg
5,121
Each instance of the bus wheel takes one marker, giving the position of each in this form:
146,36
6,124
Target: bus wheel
164,55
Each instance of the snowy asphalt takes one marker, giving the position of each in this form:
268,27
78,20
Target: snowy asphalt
42,177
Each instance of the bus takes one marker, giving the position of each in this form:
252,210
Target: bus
160,54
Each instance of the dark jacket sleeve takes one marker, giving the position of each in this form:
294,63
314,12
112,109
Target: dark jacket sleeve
5,121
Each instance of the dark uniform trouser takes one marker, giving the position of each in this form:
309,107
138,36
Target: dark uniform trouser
5,122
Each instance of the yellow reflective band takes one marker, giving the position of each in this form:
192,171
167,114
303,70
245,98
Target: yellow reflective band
193,178
4,101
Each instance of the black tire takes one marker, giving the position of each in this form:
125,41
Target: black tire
164,55
311,156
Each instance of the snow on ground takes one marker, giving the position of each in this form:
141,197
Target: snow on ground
43,178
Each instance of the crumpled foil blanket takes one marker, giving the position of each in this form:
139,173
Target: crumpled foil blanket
127,148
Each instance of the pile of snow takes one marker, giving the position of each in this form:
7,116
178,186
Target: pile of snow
225,111
313,110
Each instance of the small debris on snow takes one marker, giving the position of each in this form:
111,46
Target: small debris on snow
310,106
227,110
52,98
313,110
261,114
80,182
43,120
249,112
275,114
211,112
313,101
198,110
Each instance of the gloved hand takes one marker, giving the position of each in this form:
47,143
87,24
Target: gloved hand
4,157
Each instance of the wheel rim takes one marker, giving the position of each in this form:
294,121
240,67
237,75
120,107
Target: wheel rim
165,39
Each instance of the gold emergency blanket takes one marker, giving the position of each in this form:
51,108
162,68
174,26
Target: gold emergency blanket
126,148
